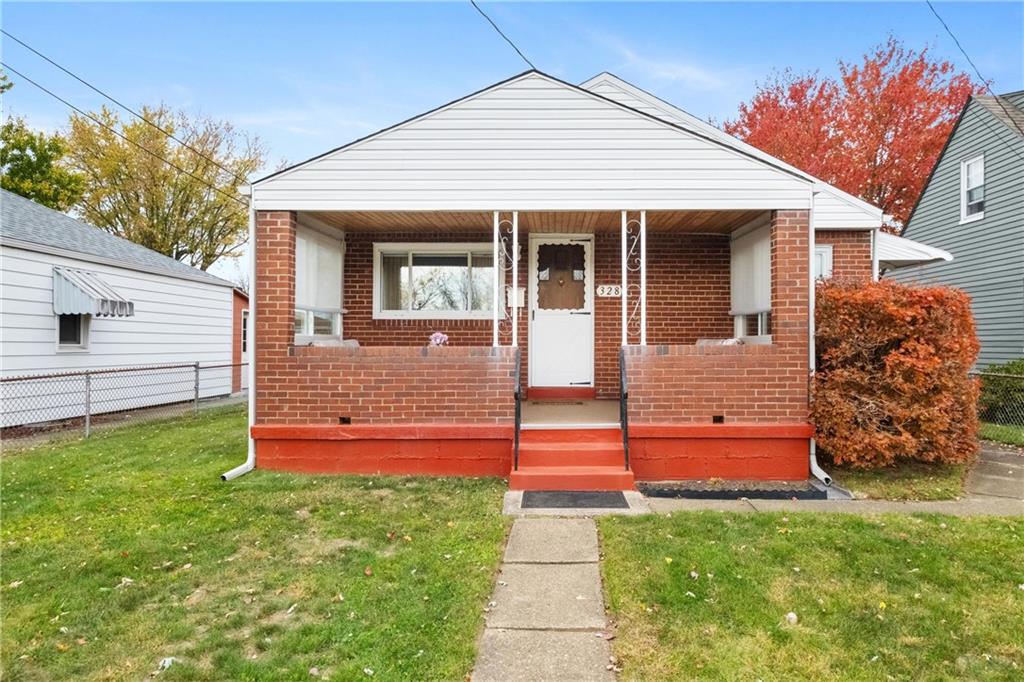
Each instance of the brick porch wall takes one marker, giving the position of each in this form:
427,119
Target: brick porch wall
687,297
744,384
851,252
319,385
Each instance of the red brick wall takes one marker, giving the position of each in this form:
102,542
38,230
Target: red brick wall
368,385
851,252
751,383
687,299
358,298
240,303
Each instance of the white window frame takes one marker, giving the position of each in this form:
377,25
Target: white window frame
427,249
964,218
83,334
740,327
306,335
824,250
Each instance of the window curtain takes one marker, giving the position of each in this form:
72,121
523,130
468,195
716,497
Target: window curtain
391,280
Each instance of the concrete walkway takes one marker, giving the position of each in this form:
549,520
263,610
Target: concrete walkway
999,473
546,620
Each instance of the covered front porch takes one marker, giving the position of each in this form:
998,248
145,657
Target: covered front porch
583,285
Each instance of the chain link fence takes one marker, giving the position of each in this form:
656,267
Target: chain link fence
35,405
1001,406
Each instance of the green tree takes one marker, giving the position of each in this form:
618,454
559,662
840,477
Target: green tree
195,216
32,164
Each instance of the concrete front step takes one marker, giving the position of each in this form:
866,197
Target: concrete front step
571,478
571,454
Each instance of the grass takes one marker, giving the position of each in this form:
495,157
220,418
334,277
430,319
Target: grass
1002,433
125,549
892,597
904,481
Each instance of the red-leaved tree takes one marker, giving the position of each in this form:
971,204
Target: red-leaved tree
874,132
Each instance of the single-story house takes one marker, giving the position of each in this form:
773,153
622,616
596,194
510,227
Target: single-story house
626,293
78,298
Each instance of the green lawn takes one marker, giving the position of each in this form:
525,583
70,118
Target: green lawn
893,597
905,481
1001,433
127,548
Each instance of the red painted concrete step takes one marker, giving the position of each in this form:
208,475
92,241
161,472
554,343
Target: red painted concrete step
571,459
571,478
570,454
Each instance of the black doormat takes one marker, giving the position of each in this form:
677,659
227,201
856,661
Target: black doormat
572,499
732,490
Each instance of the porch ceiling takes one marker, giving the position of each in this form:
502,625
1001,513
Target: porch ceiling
582,222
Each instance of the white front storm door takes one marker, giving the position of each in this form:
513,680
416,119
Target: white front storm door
561,309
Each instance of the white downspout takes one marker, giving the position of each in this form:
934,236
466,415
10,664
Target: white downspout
250,458
816,470
874,255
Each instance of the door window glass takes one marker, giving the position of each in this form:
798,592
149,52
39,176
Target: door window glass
561,277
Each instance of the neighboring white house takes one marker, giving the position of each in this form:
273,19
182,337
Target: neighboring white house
75,297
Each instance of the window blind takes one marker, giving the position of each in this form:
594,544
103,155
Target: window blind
751,273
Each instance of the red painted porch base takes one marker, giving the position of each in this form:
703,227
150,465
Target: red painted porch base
766,452
404,449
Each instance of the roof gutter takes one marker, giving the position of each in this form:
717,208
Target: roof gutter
250,458
816,470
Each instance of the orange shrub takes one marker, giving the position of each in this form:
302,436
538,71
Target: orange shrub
892,380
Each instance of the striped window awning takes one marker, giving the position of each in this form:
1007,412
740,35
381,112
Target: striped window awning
77,292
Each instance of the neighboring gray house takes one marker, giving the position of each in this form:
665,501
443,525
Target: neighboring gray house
973,206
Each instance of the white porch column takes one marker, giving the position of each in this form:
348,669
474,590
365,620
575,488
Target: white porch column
625,279
643,278
515,278
498,275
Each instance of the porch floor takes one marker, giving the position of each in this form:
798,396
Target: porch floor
551,414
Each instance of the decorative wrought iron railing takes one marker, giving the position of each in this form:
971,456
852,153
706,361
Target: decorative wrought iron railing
624,405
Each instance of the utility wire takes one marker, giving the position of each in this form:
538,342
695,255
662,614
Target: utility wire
970,61
500,33
123,137
127,108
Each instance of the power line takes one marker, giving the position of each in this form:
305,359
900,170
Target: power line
500,33
123,137
127,108
974,66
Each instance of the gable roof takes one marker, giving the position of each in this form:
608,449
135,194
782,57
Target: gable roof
643,100
534,142
753,152
24,224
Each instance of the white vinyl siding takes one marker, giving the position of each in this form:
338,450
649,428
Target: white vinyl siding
833,208
533,144
176,320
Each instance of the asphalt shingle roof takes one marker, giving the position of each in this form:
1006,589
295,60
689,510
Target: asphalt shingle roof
26,221
1004,110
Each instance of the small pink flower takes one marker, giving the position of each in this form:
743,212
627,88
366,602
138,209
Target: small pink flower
438,339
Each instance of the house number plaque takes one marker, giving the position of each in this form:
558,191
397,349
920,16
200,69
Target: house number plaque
609,290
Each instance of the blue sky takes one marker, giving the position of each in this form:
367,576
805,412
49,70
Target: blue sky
309,77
